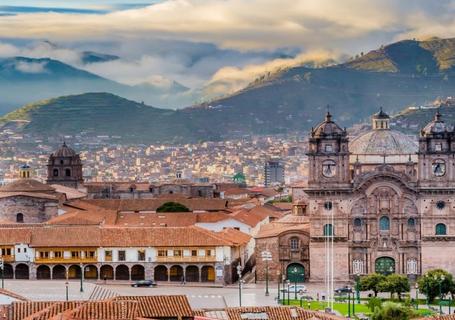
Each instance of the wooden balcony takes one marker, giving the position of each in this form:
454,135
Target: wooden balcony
7,258
68,260
181,259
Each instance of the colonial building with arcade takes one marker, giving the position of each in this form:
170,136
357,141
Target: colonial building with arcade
379,202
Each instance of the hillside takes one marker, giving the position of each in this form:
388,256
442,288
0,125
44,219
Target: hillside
411,120
23,80
400,74
291,101
98,114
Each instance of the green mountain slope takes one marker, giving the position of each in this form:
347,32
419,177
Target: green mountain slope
99,114
291,101
401,74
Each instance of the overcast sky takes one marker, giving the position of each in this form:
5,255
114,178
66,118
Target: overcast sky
193,41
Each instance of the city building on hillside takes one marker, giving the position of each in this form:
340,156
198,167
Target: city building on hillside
273,172
386,202
64,167
145,190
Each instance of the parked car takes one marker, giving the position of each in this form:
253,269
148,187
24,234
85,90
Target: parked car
300,288
345,289
144,283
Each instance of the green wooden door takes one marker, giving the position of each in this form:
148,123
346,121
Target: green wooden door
385,265
295,272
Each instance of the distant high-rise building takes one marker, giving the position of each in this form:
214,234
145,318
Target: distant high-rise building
273,172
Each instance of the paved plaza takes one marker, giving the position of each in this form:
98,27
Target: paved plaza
199,296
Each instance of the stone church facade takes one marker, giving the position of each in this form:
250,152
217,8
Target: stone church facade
388,201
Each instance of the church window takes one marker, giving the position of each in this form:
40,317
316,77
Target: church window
438,147
328,205
441,229
411,223
328,230
440,205
411,266
19,218
61,161
357,267
294,243
357,222
55,172
67,172
328,148
384,223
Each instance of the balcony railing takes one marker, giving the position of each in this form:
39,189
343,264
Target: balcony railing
186,259
67,260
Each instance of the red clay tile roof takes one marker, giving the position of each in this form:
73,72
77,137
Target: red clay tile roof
196,204
235,236
272,312
161,306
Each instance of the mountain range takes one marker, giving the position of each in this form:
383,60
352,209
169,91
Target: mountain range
405,73
24,79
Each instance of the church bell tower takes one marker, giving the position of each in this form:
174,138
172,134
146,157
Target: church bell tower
65,167
328,156
436,154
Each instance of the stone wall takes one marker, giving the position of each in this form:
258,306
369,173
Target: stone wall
34,210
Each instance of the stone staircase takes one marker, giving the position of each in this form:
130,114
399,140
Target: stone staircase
102,293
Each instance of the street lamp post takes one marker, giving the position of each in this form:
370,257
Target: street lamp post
239,273
288,283
417,295
440,280
266,256
2,266
82,278
66,285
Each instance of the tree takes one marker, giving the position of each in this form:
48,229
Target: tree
434,281
374,303
371,282
395,283
172,207
392,311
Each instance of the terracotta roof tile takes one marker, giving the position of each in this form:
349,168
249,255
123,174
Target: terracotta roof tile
194,204
161,306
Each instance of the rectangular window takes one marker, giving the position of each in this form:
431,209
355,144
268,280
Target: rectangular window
121,255
141,255
162,253
89,254
8,252
44,254
438,147
209,253
194,253
75,254
58,254
177,253
19,250
328,148
108,255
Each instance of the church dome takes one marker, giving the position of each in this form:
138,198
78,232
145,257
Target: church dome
64,151
379,142
382,140
26,185
327,128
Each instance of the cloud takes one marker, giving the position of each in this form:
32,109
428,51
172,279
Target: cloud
248,25
230,79
30,67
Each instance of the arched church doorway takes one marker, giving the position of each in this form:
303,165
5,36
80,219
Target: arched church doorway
295,272
385,265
